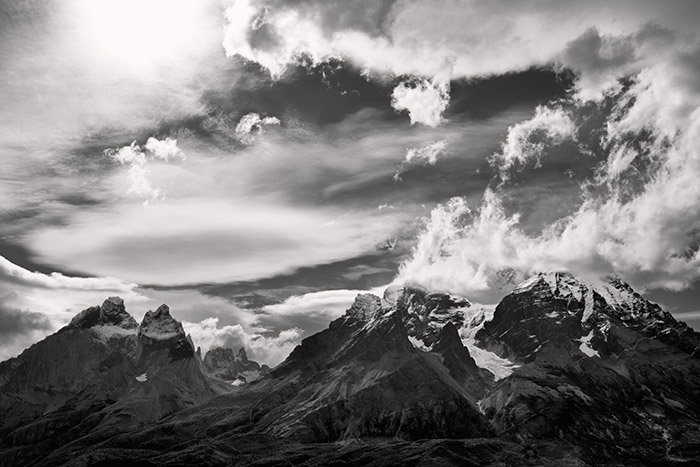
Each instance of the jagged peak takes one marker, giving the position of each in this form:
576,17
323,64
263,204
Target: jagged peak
160,325
112,312
617,294
217,351
226,353
365,307
392,293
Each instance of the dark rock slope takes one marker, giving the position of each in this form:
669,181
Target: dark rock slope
562,372
600,367
235,369
101,373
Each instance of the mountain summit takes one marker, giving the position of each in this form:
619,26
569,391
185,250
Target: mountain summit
561,372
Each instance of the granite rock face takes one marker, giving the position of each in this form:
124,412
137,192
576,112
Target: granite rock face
561,372
599,366
233,368
102,372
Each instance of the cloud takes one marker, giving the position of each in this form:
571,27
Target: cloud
424,100
428,153
33,305
689,315
600,60
137,157
252,124
263,348
182,242
165,149
326,304
527,140
454,39
10,272
19,327
639,216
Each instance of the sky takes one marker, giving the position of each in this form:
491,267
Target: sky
256,164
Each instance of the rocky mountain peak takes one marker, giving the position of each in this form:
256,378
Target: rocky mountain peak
364,308
223,364
425,314
608,297
112,312
160,325
553,309
162,337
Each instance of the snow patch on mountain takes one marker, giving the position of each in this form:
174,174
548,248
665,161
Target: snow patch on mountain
475,317
107,332
418,344
586,347
142,378
617,294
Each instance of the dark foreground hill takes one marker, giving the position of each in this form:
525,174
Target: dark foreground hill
562,372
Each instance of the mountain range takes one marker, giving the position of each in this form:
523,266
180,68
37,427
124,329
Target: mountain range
561,372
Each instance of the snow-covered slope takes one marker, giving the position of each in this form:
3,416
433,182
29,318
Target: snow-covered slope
427,313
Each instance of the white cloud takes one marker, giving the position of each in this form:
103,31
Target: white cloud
45,302
182,242
263,348
13,273
135,157
646,231
454,39
252,124
164,149
427,153
601,60
424,100
327,304
526,140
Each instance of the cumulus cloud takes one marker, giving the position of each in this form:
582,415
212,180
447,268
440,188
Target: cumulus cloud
263,348
527,140
639,216
137,158
454,39
251,125
600,60
163,149
427,153
424,100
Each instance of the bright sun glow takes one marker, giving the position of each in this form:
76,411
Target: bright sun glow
139,33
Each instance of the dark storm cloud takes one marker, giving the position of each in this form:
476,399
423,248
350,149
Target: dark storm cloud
19,328
15,323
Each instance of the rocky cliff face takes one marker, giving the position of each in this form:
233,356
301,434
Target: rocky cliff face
363,377
101,372
561,372
598,365
235,369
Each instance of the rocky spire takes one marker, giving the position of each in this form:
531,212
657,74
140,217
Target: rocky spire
111,313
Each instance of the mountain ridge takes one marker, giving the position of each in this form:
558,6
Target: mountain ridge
561,370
